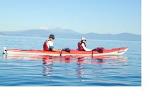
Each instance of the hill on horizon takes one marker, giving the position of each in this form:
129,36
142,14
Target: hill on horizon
67,33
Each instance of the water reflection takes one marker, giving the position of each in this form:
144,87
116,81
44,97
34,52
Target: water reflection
81,64
49,61
80,71
47,65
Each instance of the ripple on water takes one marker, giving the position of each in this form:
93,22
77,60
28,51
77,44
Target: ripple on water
116,71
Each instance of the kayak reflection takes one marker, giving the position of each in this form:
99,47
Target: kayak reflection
48,64
49,61
68,59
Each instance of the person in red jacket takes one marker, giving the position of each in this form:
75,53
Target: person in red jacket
82,45
49,43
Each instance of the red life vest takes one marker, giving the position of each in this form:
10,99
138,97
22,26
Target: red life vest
80,48
45,47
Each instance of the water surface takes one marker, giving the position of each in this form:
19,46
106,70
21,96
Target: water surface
69,71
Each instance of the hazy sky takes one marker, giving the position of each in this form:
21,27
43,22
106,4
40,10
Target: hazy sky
101,16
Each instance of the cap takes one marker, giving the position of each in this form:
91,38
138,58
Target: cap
52,36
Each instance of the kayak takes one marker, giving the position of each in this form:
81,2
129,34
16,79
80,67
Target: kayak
105,52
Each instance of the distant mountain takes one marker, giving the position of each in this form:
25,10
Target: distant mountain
60,33
67,33
35,32
121,36
63,31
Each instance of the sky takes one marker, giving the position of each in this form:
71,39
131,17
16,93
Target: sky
100,16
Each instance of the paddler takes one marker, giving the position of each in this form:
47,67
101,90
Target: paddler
49,43
82,45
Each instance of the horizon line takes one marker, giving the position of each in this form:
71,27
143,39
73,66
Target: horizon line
67,29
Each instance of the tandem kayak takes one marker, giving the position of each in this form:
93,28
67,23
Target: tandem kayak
105,52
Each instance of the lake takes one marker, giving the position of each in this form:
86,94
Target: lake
60,71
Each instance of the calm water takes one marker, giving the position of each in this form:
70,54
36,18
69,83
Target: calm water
58,71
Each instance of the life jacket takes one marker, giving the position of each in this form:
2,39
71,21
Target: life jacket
80,48
45,47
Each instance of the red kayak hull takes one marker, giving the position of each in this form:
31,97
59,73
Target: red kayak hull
106,52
